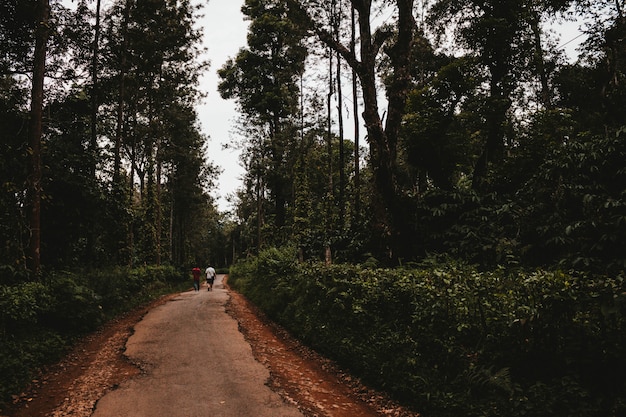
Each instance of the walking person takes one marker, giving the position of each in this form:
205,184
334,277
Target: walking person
210,277
196,278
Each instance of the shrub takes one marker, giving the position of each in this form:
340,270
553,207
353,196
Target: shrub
450,340
38,320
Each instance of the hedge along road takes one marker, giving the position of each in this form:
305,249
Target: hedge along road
195,362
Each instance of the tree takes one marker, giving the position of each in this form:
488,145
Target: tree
505,37
394,40
153,85
36,115
264,81
434,143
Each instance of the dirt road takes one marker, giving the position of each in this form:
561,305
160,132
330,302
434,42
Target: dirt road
198,354
195,363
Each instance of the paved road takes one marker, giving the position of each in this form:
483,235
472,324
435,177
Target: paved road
196,364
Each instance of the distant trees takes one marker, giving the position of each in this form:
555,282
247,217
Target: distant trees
123,176
263,78
479,104
42,17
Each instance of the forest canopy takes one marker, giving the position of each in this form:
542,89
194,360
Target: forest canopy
471,134
476,135
123,177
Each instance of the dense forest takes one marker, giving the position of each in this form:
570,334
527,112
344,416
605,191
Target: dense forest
474,136
116,173
386,135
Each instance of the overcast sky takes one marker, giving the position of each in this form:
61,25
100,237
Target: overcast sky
224,34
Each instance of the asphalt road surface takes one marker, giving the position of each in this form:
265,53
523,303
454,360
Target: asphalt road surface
195,362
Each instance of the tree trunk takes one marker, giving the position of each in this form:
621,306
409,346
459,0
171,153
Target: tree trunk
382,141
342,156
158,221
259,207
495,116
93,143
120,99
328,227
546,94
94,91
329,122
342,173
355,111
36,131
118,186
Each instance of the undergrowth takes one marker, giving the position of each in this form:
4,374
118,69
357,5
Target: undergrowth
40,320
449,340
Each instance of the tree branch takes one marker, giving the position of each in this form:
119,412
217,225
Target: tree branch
302,16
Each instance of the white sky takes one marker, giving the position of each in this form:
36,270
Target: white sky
224,34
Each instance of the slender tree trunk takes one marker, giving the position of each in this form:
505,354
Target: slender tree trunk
117,182
329,201
342,171
342,157
355,111
175,260
328,232
131,191
259,209
94,91
117,166
276,180
93,142
36,132
546,94
158,221
329,123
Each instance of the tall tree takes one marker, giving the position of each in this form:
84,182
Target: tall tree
94,86
42,18
342,170
355,111
494,30
264,80
151,81
394,40
506,39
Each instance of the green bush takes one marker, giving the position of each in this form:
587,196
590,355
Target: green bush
39,320
21,355
76,308
450,340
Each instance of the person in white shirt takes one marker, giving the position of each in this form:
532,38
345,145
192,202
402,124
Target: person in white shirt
210,277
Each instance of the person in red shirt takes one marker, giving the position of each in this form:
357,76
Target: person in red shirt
196,278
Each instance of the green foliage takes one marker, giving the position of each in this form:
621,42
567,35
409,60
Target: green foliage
450,340
575,205
21,305
21,356
38,320
120,289
265,271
